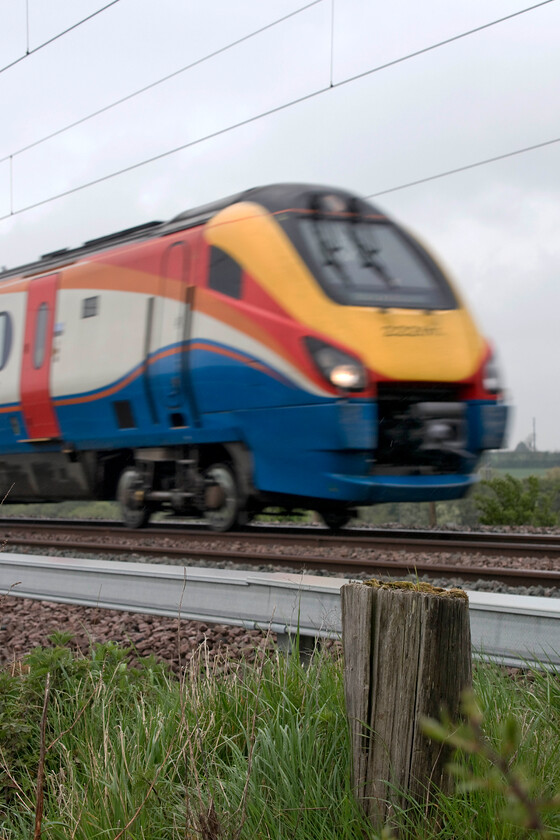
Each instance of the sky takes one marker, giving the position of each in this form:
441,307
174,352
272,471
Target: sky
117,113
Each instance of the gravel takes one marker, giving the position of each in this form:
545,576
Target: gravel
25,624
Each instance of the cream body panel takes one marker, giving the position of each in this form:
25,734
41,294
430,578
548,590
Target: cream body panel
14,303
91,353
167,328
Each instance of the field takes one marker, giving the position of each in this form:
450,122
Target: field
517,472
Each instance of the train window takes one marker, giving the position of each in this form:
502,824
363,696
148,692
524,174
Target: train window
90,306
40,336
225,274
5,338
374,264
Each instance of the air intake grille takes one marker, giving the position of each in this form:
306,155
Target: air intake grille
421,429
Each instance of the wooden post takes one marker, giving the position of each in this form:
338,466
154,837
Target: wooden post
432,514
407,654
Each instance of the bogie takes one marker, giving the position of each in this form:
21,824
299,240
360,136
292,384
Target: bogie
135,510
222,499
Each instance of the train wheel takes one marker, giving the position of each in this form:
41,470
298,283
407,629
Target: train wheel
135,513
335,519
222,499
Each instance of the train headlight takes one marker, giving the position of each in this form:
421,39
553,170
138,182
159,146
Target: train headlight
491,377
340,369
348,377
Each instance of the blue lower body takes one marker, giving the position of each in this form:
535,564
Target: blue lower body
302,446
369,490
330,452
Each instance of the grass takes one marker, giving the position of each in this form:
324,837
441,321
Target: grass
63,510
529,707
229,752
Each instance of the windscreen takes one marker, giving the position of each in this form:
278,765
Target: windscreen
373,263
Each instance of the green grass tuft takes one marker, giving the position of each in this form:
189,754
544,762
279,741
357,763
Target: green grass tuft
231,751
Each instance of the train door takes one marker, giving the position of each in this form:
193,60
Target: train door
36,402
167,337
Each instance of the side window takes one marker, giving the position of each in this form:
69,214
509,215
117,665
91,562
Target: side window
5,338
40,336
225,274
90,307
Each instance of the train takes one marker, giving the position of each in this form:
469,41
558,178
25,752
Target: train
288,346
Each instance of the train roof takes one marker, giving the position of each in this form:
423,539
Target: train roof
274,197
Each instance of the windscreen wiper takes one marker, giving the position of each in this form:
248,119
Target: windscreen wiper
368,255
329,251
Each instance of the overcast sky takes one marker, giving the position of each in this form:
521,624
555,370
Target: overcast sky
220,96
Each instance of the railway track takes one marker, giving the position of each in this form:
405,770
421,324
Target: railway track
351,551
520,544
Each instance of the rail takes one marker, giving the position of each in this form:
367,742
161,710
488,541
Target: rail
266,545
515,629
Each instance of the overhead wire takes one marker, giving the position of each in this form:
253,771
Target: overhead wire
170,152
163,79
29,52
466,167
407,185
444,43
331,67
261,115
255,33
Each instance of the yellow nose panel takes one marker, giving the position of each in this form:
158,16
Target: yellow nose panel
404,344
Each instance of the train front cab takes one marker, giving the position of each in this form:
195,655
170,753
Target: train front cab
397,395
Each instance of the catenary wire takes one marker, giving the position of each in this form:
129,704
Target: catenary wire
466,167
331,68
444,43
161,81
446,173
55,37
257,32
283,107
169,152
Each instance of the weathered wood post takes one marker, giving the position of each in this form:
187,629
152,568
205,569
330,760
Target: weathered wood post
407,654
432,510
